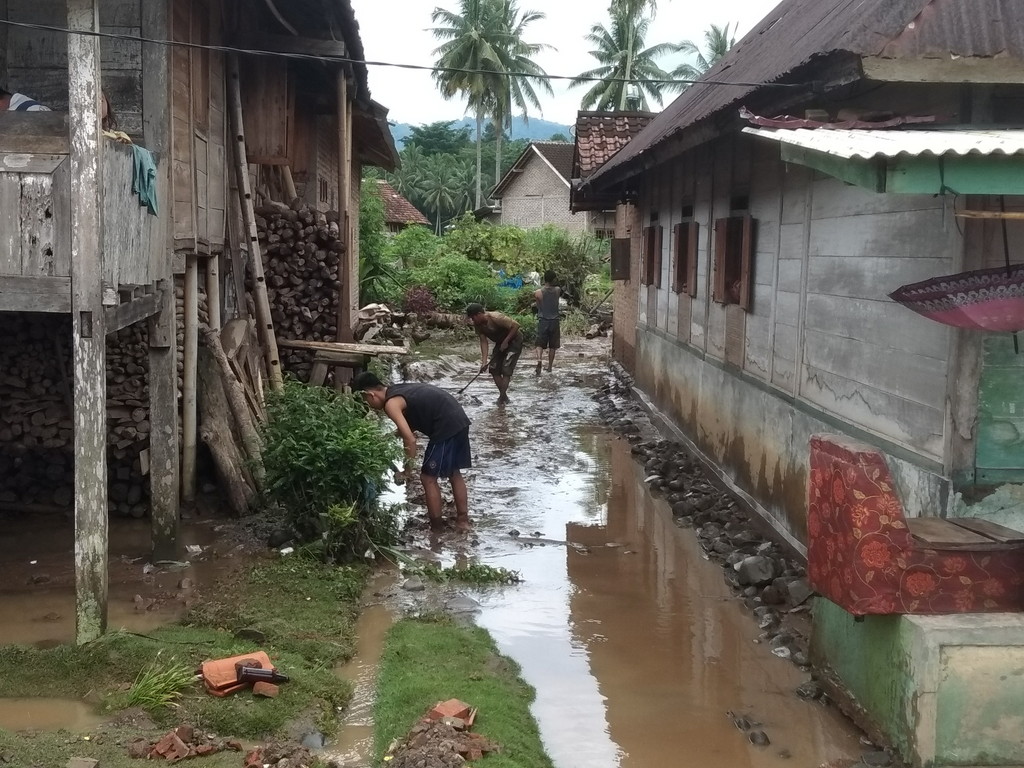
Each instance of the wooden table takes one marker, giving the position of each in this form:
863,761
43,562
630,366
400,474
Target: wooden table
333,354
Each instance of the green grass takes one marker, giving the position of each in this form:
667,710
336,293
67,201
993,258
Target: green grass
305,610
426,661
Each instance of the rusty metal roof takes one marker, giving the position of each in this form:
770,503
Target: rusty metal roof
599,135
799,32
398,210
868,144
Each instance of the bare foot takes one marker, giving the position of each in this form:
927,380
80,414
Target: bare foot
503,399
539,366
462,524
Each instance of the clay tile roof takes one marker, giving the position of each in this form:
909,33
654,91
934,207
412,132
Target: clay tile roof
559,154
599,135
398,210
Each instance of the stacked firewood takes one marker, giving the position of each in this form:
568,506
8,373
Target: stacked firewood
128,419
302,250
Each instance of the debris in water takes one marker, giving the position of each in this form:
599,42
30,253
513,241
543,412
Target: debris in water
441,739
758,738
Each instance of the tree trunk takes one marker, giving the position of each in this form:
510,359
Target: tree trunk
479,153
629,61
497,151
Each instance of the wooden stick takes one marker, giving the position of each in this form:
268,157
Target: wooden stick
263,319
188,394
213,291
990,214
343,346
345,269
289,184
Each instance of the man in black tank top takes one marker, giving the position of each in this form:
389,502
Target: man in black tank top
549,334
435,413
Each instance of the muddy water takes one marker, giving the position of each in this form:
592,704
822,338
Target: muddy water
636,647
46,715
37,600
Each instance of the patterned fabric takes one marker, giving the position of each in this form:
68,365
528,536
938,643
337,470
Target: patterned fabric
982,299
862,557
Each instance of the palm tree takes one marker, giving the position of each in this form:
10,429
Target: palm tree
515,90
482,45
624,62
442,187
717,42
633,10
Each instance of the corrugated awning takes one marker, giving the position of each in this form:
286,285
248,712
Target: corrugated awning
969,161
868,144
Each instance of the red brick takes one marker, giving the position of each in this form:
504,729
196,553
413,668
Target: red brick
267,690
450,708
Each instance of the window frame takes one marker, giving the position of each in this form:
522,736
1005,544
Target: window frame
734,260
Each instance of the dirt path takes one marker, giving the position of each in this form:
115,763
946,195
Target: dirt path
640,651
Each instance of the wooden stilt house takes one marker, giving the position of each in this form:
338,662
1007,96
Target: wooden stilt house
223,125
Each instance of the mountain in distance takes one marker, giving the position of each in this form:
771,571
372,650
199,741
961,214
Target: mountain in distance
534,129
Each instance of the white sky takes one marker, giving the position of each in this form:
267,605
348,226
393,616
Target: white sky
397,31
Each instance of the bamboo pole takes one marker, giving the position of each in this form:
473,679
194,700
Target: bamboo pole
345,271
189,425
213,290
263,320
289,184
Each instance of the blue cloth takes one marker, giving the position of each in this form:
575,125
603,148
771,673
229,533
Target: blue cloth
144,177
443,458
512,282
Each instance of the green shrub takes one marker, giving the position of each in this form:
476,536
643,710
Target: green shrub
413,247
325,463
528,325
455,281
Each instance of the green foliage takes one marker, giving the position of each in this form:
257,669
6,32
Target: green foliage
572,257
377,280
439,138
528,325
160,685
474,573
321,453
455,281
429,661
482,241
413,246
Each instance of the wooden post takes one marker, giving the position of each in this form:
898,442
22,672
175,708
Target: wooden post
163,369
345,271
189,426
88,331
213,290
289,184
263,320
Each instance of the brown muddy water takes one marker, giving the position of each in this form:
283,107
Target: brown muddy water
635,645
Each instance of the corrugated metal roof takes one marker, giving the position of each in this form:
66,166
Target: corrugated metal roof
797,32
867,144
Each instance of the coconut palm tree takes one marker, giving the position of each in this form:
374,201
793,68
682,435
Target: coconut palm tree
625,64
717,42
442,187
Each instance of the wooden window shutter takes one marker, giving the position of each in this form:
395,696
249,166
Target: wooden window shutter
620,258
657,255
691,258
679,248
721,235
648,253
747,265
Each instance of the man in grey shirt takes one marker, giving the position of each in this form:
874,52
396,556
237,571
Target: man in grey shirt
549,335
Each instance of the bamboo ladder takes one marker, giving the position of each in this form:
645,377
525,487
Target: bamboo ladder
264,322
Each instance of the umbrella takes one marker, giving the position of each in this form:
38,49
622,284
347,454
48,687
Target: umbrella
982,299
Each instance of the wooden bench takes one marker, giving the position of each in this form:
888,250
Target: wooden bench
967,533
339,354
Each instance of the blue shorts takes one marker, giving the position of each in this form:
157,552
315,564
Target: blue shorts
443,458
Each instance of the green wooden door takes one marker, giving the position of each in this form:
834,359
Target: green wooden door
999,456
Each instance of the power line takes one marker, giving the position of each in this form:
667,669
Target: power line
345,60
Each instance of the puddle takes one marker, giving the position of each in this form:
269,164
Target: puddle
353,746
635,645
37,600
46,715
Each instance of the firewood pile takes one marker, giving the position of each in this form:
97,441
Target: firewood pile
36,427
302,250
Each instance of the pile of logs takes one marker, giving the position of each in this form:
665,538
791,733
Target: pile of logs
302,251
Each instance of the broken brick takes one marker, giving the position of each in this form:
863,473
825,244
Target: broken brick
254,759
267,690
170,747
185,732
450,708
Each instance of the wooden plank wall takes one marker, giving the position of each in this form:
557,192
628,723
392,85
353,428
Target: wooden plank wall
37,60
35,227
130,233
822,327
199,129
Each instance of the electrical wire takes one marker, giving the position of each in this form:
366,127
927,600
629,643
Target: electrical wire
346,60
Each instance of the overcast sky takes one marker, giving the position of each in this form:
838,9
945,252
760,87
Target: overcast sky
398,31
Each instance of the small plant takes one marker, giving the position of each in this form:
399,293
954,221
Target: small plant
475,573
160,685
419,299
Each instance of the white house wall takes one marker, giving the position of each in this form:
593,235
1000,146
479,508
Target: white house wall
539,196
824,349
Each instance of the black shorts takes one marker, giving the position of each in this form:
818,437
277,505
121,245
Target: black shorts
443,458
549,334
503,363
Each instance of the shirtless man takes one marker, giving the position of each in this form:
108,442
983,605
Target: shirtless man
508,345
435,413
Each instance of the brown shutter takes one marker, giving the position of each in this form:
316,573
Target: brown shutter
678,259
747,265
721,235
691,258
657,255
620,258
645,262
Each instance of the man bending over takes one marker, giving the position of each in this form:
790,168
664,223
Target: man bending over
435,413
508,345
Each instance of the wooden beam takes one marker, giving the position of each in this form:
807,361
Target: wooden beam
341,346
990,215
44,133
132,311
213,309
345,271
262,41
88,337
189,424
35,294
